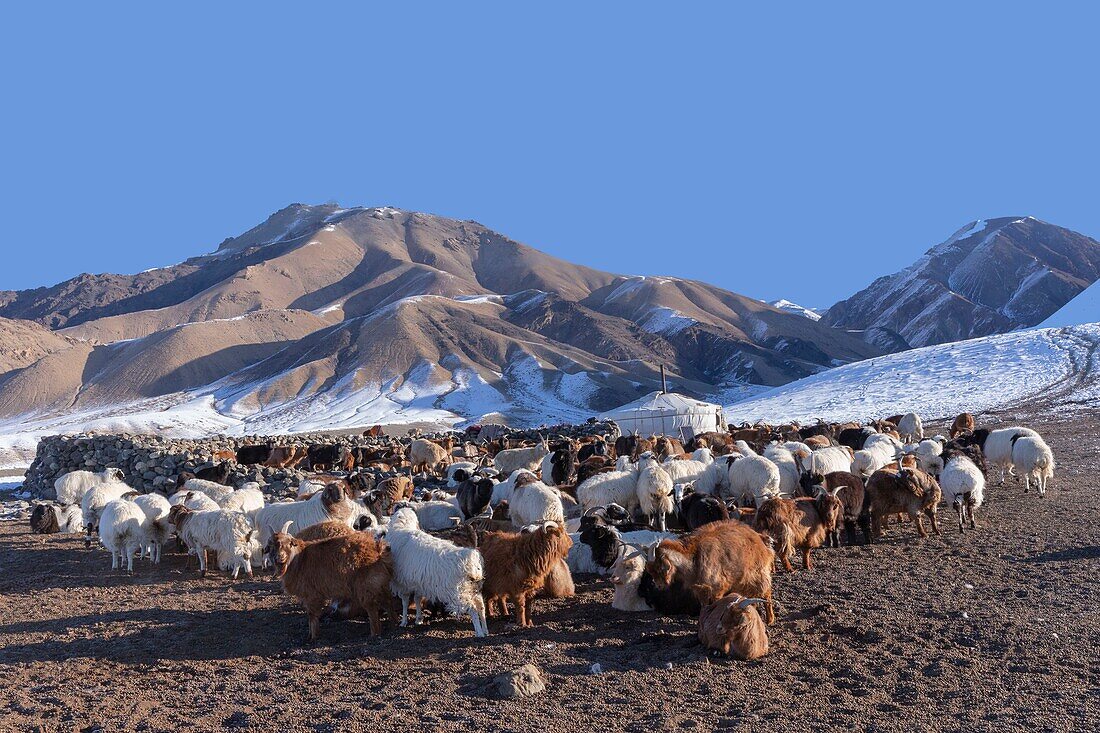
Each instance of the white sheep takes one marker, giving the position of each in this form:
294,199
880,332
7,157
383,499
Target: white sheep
123,531
93,503
1033,459
829,460
927,452
715,480
878,450
753,476
799,450
963,487
997,447
427,567
433,516
686,471
227,533
71,488
740,446
193,500
789,472
654,489
218,492
248,500
703,455
910,428
504,489
508,461
157,529
612,487
533,502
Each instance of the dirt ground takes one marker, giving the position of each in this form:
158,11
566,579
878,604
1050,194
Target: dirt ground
992,630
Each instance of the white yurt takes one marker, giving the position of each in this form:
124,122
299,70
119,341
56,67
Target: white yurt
667,413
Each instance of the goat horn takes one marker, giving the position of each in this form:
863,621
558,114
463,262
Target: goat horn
286,526
751,601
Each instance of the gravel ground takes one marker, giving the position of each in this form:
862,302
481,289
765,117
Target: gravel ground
989,630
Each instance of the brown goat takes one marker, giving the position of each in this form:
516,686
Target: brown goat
388,492
817,441
223,455
849,489
715,560
324,531
286,456
799,524
356,567
964,423
517,564
733,627
559,582
666,447
908,491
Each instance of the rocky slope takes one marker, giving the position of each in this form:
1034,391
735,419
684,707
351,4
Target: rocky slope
991,276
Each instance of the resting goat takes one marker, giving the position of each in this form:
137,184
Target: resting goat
732,626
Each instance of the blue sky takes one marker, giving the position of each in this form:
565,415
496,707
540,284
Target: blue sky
796,150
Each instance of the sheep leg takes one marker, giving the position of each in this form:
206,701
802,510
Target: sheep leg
88,538
477,615
419,619
970,511
201,552
661,521
405,601
114,559
130,550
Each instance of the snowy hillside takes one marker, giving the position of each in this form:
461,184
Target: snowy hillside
1085,308
941,381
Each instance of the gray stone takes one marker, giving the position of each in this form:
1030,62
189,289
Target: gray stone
522,682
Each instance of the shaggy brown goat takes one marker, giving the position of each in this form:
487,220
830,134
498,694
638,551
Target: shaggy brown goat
849,489
666,447
517,564
733,627
356,567
908,491
387,492
715,560
799,524
964,423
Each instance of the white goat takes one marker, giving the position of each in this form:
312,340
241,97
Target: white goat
533,502
686,471
122,530
879,450
626,574
157,529
997,447
753,476
612,487
703,455
789,472
427,567
963,487
72,487
715,480
433,516
1033,459
93,502
227,533
829,460
654,489
330,504
927,452
193,500
428,456
248,500
513,459
218,492
910,428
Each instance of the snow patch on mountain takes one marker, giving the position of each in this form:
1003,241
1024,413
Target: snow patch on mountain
936,381
786,305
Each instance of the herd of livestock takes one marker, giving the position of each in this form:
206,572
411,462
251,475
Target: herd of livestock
471,527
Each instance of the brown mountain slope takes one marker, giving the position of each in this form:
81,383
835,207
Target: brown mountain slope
22,343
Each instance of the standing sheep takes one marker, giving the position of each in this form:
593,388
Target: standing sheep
963,485
156,509
1033,459
426,567
71,487
122,530
93,503
654,490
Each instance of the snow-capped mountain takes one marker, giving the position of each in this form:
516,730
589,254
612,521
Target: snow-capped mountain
991,276
324,317
786,305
